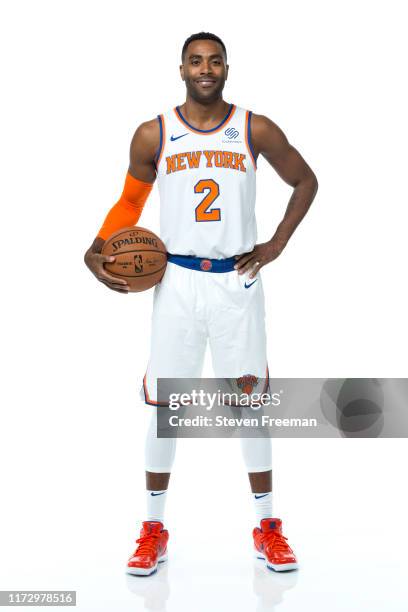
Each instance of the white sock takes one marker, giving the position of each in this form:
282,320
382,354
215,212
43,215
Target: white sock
156,501
262,505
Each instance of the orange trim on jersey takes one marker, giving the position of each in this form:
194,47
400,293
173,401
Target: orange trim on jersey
205,132
162,141
147,398
247,139
266,380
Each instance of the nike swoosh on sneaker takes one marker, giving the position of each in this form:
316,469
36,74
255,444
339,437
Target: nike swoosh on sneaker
259,496
250,284
177,137
155,494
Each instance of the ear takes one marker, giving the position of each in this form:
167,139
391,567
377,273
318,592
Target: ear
182,72
226,73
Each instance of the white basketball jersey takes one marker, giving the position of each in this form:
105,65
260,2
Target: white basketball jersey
207,185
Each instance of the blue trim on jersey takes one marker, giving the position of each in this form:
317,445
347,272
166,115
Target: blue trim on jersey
249,136
196,263
156,157
178,111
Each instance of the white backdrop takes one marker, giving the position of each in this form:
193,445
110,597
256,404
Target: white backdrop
77,79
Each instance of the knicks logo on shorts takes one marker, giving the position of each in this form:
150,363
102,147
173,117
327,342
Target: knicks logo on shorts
205,265
247,383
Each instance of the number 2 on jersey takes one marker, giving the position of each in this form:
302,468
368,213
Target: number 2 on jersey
201,212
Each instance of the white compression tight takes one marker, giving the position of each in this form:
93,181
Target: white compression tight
257,454
160,452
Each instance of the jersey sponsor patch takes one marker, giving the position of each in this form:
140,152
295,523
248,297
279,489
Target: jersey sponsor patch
232,135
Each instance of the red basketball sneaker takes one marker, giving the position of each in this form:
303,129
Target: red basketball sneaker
271,546
151,551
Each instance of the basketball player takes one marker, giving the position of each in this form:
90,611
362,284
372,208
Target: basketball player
204,154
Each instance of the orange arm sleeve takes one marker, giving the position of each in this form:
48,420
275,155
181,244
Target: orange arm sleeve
128,208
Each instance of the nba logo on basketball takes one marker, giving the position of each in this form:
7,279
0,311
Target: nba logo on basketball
138,263
247,383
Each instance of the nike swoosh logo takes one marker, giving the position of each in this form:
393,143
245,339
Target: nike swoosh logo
250,284
155,494
259,496
177,137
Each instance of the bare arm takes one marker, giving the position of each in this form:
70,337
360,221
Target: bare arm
269,141
144,145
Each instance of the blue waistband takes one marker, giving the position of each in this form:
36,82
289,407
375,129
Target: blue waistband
203,264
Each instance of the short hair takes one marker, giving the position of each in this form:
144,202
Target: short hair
202,36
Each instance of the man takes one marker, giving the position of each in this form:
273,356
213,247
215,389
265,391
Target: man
203,154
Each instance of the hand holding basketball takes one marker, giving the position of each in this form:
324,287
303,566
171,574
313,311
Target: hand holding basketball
96,263
139,258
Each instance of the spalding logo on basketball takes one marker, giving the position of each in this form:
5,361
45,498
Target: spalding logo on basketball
140,257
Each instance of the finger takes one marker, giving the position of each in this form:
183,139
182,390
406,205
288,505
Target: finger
116,282
258,265
106,258
252,265
243,260
246,268
117,288
104,276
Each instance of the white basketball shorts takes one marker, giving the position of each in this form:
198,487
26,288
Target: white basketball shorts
198,301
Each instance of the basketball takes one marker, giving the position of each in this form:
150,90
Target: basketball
140,257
